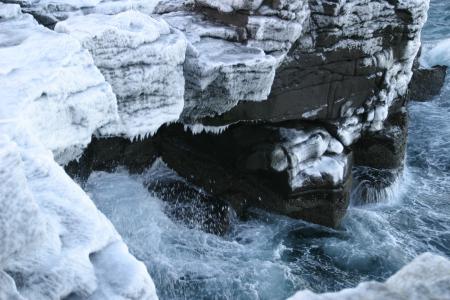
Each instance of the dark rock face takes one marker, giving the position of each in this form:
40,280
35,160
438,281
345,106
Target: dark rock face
108,154
297,170
379,160
384,149
343,61
427,83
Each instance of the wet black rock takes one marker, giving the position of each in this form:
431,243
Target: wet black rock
427,83
384,149
106,154
187,203
268,167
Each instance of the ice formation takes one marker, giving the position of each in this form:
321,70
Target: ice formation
49,12
63,114
312,157
55,243
426,277
142,59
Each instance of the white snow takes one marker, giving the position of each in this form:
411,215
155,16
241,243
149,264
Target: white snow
57,91
55,240
228,6
426,277
58,10
142,58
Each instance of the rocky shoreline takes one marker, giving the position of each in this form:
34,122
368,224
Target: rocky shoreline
257,104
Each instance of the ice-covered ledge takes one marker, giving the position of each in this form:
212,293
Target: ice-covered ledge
35,64
426,277
142,58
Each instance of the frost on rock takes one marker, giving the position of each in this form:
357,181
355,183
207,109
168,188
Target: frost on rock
232,57
54,243
56,92
426,277
312,157
142,59
49,12
350,64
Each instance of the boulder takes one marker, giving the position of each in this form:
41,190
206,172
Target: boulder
426,277
427,83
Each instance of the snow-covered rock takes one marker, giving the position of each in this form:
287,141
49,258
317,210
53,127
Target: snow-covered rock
350,64
49,12
232,57
54,243
49,83
219,71
311,157
426,277
142,58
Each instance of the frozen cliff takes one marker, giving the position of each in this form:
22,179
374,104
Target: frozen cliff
338,71
54,243
264,104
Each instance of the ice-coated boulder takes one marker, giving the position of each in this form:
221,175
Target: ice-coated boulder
54,243
142,58
426,277
50,83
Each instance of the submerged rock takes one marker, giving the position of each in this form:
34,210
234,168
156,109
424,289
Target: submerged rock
426,277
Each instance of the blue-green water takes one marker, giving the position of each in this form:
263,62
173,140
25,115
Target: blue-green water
271,257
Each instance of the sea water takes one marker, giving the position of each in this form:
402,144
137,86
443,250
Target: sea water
271,256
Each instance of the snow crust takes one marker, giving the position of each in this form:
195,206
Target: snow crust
142,58
426,277
36,91
54,242
52,11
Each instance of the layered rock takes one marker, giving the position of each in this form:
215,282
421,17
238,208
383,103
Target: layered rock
426,277
142,58
344,67
35,89
350,66
232,58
